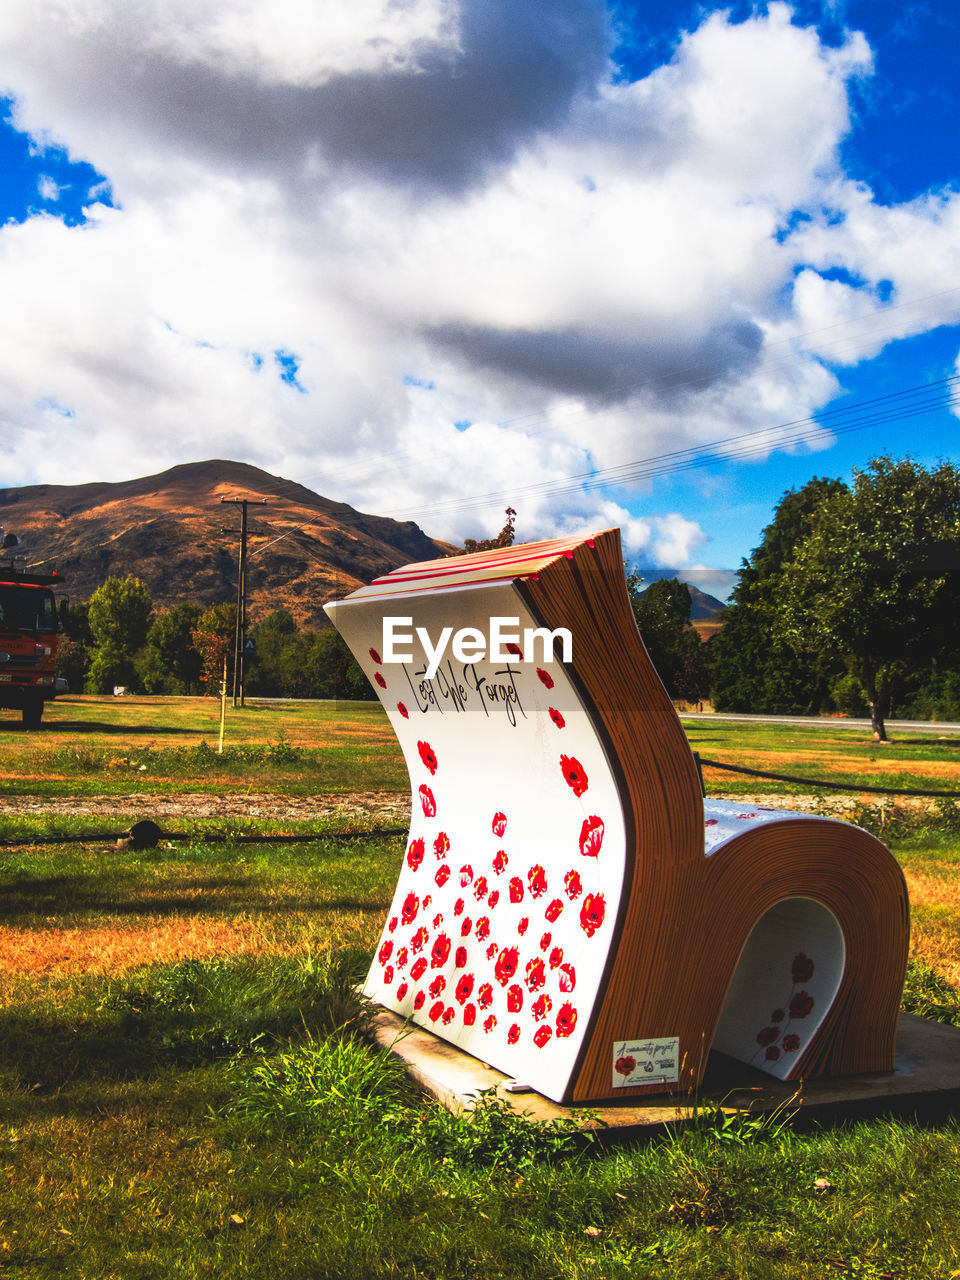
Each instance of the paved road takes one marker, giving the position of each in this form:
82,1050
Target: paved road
936,728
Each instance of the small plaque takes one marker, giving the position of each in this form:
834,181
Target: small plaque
646,1062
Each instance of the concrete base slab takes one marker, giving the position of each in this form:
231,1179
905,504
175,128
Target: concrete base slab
924,1083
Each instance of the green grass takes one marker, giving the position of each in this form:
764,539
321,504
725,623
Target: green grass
223,1113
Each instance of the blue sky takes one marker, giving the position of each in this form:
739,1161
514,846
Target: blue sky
433,257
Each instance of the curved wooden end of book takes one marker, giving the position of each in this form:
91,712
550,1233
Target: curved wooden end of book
787,946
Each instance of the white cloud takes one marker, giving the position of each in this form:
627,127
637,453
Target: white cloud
447,211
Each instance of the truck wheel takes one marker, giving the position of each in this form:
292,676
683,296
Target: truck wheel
33,714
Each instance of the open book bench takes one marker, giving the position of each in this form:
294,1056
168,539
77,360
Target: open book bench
569,909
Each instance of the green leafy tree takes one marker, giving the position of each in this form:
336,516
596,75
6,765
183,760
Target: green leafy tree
753,668
662,614
75,645
875,579
119,615
504,538
170,662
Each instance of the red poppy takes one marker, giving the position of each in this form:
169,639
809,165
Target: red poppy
566,1020
442,876
537,880
441,846
749,815
411,905
426,902
515,999
385,952
592,913
500,861
514,649
419,1000
591,836
466,875
802,968
402,958
516,889
401,990
778,1015
572,884
801,1004
403,711
499,824
428,756
556,957
506,965
480,887
448,1015
379,679
523,925
418,939
438,920
483,929
428,803
545,940
513,1035
535,974
541,1036
791,1043
458,907
460,957
491,951
494,898
466,924
545,678
541,1006
375,656
552,912
574,774
393,924
485,995
417,968
556,717
436,986
710,822
767,1035
568,977
773,1053
489,1023
464,987
440,951
624,1066
415,854
388,975
469,1015
436,1011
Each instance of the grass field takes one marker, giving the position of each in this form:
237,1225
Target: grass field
186,1089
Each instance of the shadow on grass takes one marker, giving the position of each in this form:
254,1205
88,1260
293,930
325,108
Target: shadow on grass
31,902
186,1015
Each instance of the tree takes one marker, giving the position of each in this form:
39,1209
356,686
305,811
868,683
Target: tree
662,614
753,668
875,578
503,539
119,616
213,637
170,663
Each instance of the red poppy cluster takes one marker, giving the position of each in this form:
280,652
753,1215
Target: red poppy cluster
800,1006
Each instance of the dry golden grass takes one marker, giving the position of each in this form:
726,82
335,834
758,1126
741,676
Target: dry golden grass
111,948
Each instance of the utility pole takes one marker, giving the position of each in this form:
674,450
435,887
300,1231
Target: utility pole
240,635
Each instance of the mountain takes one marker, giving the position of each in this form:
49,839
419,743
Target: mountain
703,606
173,531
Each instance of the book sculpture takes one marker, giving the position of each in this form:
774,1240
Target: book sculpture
569,909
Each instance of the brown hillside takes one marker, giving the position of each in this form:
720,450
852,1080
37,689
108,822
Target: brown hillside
172,531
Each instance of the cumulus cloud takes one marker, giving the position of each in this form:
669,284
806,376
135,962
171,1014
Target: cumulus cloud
492,261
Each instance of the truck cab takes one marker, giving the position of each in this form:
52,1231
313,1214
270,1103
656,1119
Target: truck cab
28,642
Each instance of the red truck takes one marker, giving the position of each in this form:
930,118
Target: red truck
28,639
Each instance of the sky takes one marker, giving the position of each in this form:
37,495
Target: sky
642,264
